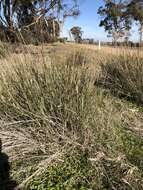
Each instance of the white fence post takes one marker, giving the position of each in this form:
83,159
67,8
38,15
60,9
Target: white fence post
99,45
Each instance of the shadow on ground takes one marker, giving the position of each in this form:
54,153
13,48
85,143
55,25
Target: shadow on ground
6,183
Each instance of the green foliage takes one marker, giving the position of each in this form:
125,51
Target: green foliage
77,172
74,172
135,10
115,19
77,33
133,147
34,16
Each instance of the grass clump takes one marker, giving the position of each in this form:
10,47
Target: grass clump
4,50
59,100
34,89
133,147
123,76
55,117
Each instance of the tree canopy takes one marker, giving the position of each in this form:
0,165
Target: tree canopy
135,10
77,32
24,14
114,18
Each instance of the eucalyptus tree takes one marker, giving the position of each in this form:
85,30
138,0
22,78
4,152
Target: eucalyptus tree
19,14
76,32
115,19
135,10
6,13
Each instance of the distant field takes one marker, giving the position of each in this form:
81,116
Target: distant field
67,48
109,49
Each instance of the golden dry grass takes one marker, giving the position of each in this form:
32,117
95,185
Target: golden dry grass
51,107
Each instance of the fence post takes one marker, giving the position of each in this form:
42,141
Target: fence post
99,45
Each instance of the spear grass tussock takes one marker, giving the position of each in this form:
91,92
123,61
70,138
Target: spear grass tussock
63,132
123,76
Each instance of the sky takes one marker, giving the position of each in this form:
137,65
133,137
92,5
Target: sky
89,22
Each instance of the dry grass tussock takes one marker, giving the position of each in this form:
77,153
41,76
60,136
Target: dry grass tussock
56,122
123,76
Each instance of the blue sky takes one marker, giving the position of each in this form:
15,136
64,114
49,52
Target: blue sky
89,22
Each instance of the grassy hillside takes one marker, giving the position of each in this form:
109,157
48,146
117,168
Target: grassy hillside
72,120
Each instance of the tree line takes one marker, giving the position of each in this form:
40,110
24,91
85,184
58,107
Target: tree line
42,19
117,17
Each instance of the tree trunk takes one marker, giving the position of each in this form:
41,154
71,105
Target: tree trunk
115,38
115,41
141,34
54,29
9,15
